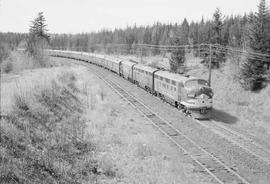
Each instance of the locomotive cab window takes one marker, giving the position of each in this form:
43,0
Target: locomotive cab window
195,82
167,80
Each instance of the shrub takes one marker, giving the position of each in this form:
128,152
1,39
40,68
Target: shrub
4,53
7,66
252,74
18,61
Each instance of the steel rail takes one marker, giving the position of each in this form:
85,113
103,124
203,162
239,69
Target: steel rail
239,140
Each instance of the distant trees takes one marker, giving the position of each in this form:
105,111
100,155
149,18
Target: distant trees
252,70
230,30
38,38
210,31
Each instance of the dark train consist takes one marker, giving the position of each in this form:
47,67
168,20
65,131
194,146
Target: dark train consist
190,94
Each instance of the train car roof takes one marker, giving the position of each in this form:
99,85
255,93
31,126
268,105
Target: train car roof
145,67
115,60
173,76
127,62
97,55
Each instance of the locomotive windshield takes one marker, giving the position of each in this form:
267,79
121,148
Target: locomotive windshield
195,83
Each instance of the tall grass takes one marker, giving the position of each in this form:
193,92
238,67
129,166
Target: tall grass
43,138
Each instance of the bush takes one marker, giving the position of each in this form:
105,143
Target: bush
4,53
18,61
252,75
7,66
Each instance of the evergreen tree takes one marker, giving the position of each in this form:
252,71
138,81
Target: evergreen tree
253,71
184,33
38,38
217,27
177,59
218,55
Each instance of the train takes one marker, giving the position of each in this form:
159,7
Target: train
192,95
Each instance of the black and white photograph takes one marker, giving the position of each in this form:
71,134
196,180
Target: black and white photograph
134,92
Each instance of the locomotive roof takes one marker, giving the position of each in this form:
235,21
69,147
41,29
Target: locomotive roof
173,76
145,67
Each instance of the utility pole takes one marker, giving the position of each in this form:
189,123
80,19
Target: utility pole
210,66
199,50
141,55
0,96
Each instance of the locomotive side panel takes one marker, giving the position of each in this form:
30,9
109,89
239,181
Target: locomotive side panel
166,87
144,76
126,69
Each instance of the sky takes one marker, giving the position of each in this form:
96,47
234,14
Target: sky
76,16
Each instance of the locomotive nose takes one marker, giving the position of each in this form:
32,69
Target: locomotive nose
198,91
206,90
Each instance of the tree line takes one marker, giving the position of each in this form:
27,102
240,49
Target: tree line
233,33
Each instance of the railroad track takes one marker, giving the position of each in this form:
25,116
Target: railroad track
238,139
219,171
201,155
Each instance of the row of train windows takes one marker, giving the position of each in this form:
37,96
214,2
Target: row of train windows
166,80
167,86
142,71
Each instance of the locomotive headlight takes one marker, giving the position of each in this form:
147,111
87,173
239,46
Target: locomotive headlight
203,96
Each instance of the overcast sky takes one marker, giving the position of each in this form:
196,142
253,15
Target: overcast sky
73,16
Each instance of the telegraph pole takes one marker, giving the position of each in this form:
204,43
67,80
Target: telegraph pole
210,66
0,95
199,50
141,55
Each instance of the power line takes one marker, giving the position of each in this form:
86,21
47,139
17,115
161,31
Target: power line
201,48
